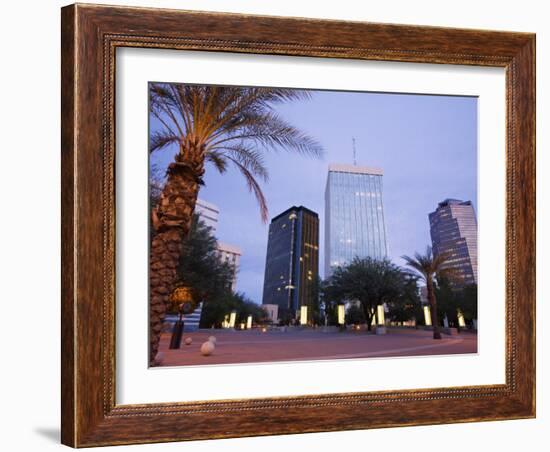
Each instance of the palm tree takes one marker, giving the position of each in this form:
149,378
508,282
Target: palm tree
224,126
428,266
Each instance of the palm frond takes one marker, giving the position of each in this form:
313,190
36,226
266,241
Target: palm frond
161,139
254,187
421,264
250,158
272,132
223,124
218,160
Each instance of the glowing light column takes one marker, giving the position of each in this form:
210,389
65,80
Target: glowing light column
427,316
341,315
303,315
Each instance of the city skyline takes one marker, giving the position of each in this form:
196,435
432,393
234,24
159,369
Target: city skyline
425,144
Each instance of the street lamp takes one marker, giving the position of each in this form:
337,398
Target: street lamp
185,299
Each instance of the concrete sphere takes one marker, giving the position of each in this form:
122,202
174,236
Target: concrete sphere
188,341
212,339
207,348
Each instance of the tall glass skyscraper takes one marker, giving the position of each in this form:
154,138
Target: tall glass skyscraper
354,215
292,260
453,228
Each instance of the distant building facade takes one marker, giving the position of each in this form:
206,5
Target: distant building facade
453,229
209,214
232,255
354,215
272,311
292,261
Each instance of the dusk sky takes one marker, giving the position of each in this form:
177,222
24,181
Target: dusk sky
425,144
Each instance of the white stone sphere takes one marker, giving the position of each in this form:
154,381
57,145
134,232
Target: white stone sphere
207,348
188,341
212,339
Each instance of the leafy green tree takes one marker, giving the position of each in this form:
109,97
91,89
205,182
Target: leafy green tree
201,269
468,302
329,298
247,307
370,281
200,266
316,307
286,316
214,310
355,315
221,125
451,299
447,300
408,305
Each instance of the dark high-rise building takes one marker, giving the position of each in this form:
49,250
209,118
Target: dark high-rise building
292,260
453,228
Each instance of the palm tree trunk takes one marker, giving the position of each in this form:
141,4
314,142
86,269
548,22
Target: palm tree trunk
433,309
172,222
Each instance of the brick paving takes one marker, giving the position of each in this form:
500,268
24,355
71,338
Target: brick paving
253,346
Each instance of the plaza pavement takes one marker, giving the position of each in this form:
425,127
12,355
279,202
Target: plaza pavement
254,346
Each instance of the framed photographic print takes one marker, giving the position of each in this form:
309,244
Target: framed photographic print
281,225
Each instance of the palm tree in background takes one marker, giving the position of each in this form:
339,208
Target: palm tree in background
428,266
224,126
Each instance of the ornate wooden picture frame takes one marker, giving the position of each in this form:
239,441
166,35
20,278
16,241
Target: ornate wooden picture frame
90,37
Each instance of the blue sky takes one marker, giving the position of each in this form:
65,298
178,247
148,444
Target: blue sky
426,145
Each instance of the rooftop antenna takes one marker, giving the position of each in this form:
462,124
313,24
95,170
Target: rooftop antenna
354,152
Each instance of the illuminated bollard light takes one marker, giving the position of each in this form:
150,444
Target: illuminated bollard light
249,322
427,316
341,315
461,321
380,327
188,341
303,315
380,315
232,319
